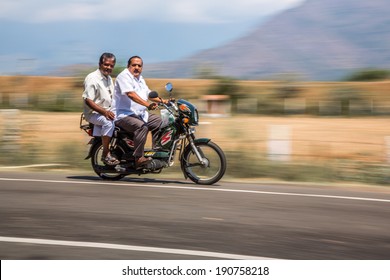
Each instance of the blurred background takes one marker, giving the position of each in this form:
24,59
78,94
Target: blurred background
293,90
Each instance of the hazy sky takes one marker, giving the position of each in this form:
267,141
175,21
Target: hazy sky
52,33
165,10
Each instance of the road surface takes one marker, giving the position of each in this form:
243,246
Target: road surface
72,216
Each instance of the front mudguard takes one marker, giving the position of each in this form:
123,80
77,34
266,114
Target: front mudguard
93,142
188,147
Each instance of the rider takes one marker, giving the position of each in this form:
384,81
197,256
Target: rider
97,95
131,103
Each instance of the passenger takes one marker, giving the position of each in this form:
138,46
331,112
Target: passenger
97,95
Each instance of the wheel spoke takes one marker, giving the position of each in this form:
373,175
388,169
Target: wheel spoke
211,170
102,170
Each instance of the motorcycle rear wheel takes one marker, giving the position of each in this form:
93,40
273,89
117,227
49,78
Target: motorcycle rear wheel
103,171
207,174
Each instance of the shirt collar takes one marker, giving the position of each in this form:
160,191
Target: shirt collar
133,77
101,75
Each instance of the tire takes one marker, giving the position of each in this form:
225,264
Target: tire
103,171
198,173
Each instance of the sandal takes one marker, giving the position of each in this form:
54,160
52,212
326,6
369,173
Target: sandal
110,160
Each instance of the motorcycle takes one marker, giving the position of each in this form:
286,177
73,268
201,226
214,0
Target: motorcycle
201,160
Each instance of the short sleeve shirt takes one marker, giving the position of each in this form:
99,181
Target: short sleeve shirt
125,82
99,89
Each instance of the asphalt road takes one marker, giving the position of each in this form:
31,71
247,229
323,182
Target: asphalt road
68,216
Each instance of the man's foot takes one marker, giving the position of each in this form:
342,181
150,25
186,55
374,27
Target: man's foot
110,160
142,161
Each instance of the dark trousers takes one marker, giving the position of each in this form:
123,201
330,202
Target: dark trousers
140,129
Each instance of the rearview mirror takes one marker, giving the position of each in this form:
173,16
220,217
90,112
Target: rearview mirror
169,87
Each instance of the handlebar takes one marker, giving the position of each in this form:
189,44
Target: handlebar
171,102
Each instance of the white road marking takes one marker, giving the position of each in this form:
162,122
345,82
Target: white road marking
198,188
212,219
33,165
129,248
157,249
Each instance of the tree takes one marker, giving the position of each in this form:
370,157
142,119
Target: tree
369,74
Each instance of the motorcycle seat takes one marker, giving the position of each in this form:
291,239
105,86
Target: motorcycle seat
120,132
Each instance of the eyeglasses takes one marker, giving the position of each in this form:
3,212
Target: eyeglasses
134,65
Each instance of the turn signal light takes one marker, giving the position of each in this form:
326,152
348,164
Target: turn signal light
186,120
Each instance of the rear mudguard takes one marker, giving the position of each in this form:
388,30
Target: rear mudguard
94,141
196,141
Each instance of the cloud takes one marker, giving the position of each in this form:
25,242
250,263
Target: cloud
228,11
168,10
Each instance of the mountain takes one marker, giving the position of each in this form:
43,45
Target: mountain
35,48
318,40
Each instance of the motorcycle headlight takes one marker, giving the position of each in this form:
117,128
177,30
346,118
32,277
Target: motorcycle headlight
189,111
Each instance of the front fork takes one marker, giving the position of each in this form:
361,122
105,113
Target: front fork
199,156
192,147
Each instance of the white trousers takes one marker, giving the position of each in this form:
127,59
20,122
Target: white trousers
102,126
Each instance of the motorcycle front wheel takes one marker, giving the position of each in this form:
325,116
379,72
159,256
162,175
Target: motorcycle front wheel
211,171
103,171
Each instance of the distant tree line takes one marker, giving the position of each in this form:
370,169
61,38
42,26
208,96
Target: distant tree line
369,74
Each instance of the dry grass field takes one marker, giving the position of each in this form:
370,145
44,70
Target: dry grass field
309,138
323,141
47,137
377,91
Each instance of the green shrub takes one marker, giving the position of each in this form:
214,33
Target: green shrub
369,75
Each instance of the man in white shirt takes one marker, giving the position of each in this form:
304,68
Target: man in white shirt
97,95
131,104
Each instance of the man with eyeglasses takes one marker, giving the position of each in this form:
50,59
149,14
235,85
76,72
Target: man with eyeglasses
131,102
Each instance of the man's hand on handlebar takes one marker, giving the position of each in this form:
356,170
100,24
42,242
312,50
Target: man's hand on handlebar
152,106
